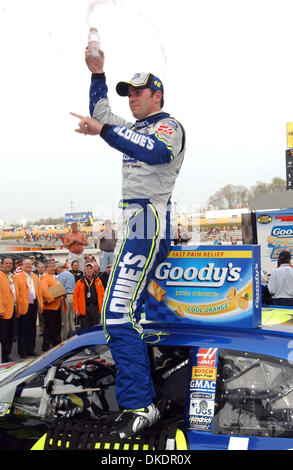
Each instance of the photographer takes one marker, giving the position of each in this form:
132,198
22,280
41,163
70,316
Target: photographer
108,239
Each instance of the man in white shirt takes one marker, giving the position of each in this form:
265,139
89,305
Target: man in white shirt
68,280
281,281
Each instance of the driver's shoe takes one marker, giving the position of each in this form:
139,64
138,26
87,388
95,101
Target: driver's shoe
130,422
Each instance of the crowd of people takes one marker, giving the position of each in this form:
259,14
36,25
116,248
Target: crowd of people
57,297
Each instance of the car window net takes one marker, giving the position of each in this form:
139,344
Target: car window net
254,395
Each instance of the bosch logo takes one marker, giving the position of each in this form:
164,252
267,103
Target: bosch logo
283,231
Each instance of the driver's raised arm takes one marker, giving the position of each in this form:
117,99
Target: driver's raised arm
99,104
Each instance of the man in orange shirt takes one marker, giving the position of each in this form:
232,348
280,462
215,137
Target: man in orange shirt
30,300
52,308
88,298
8,302
75,243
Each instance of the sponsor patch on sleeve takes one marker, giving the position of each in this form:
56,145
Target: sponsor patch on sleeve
167,127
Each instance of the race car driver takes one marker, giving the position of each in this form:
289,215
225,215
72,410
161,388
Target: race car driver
153,149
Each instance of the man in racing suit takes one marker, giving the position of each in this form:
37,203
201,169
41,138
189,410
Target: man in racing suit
153,149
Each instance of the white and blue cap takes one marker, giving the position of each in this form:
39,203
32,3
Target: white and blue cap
139,81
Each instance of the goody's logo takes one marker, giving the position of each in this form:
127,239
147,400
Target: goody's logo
282,231
207,276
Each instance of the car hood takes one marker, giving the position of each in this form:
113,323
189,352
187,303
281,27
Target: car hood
10,368
7,391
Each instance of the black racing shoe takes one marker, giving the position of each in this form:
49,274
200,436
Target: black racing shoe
130,422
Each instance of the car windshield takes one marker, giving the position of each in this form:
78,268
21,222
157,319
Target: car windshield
33,363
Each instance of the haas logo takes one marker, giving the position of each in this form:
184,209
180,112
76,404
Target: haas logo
206,357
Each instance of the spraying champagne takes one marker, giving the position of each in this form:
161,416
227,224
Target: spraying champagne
94,43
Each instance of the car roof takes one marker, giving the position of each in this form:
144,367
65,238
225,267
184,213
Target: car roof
273,338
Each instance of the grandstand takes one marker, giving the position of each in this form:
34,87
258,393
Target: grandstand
217,226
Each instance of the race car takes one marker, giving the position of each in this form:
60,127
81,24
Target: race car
217,389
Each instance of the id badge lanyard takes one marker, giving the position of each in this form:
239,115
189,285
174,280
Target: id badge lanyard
89,287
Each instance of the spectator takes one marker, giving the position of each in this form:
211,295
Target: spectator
181,236
40,271
8,303
52,308
67,317
108,239
33,260
75,243
101,275
76,271
18,267
104,276
266,298
96,268
30,300
88,298
280,285
87,259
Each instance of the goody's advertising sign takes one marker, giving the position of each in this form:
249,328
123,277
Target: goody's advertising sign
274,234
207,285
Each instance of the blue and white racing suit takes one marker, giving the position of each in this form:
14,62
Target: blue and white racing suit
153,151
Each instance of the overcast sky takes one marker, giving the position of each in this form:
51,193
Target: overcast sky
227,70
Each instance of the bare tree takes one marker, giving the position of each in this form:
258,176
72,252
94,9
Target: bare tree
232,196
229,197
260,188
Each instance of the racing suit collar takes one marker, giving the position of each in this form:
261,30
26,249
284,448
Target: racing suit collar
151,119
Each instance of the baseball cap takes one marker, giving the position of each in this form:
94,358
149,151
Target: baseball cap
140,80
59,264
89,264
